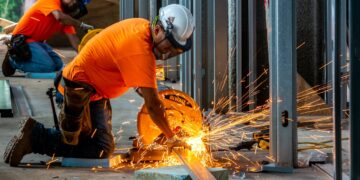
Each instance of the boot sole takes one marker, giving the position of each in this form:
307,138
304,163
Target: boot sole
11,144
17,149
9,148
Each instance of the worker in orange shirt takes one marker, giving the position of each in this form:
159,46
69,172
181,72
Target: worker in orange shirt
28,51
118,58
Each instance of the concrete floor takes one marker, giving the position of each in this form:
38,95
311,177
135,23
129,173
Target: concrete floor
125,111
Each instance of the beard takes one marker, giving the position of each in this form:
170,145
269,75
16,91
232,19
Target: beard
69,9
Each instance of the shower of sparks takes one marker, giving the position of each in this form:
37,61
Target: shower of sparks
225,129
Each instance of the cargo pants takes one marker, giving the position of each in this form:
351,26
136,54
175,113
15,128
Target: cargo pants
85,126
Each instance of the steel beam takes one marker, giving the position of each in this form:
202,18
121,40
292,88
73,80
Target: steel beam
232,53
252,52
126,9
282,56
336,91
329,35
193,165
343,55
5,99
185,62
21,101
197,53
219,25
153,9
238,55
210,59
143,8
354,37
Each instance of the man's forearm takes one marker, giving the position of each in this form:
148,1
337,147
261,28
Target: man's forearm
158,116
66,19
74,41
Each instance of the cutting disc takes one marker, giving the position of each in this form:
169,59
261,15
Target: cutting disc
183,114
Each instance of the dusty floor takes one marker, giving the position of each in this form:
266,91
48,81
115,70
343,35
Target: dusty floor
125,111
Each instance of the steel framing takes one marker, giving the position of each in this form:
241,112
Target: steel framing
239,93
185,62
336,93
252,52
282,56
232,53
126,9
143,8
220,54
354,37
197,53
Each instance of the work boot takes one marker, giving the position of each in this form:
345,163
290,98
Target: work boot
7,69
22,145
8,149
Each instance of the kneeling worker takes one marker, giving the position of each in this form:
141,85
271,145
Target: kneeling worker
28,50
120,57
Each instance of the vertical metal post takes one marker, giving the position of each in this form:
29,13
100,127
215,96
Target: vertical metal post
354,37
186,62
336,92
126,9
210,46
238,55
283,138
197,53
252,52
153,9
219,18
143,9
231,53
329,29
343,55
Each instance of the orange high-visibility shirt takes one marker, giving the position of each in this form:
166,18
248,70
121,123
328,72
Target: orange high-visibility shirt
39,24
117,58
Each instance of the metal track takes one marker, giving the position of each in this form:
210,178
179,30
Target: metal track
195,169
5,99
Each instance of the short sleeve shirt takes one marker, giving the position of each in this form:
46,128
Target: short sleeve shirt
39,24
117,58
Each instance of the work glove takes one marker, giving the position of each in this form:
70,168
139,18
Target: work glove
86,27
174,142
5,38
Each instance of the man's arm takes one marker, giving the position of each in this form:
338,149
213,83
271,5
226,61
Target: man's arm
65,19
74,41
156,110
68,20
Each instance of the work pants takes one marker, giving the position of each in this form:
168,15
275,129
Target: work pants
92,119
43,59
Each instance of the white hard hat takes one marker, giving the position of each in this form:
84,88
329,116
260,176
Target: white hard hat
178,23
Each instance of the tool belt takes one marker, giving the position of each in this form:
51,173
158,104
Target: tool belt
18,48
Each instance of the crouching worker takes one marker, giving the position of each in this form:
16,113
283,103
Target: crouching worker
28,50
120,57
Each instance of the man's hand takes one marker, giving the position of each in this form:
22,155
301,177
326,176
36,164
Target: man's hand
174,142
68,20
86,27
6,39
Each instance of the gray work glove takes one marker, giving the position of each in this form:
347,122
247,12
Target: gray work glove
86,27
174,142
6,39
